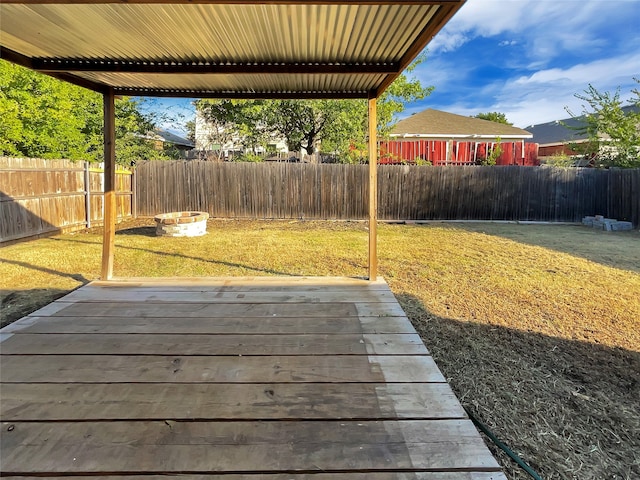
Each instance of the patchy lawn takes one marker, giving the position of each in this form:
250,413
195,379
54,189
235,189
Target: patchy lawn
536,327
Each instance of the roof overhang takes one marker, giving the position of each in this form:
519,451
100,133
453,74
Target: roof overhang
224,48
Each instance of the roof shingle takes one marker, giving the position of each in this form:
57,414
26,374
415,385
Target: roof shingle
435,123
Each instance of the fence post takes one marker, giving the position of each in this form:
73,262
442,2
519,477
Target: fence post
87,189
134,193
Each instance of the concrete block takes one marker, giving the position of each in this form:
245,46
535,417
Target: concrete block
617,226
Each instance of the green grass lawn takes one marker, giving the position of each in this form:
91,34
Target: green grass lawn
535,326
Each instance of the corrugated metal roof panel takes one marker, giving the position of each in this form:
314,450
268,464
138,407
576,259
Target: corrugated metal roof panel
280,32
238,33
244,83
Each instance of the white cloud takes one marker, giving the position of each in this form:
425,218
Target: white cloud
609,71
552,49
546,26
545,95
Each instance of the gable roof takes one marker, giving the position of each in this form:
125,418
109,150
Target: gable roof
563,131
436,124
168,137
223,48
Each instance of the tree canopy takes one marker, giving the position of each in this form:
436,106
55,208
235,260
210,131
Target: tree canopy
613,132
43,117
497,117
337,125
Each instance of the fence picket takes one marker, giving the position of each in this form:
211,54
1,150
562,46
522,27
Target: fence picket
38,196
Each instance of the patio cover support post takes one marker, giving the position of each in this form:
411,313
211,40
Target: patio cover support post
373,190
109,131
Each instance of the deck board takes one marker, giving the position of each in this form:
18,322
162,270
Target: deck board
261,378
460,475
208,344
219,325
29,402
241,446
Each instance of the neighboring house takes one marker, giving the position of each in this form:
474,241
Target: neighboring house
225,144
443,138
164,139
555,138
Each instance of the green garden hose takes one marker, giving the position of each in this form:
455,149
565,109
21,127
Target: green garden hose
503,447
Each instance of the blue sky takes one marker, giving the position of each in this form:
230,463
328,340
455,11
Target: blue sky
525,58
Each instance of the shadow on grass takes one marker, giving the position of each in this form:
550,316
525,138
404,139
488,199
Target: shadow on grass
141,231
75,276
188,257
15,304
613,249
568,408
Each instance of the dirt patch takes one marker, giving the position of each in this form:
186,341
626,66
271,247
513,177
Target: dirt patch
17,304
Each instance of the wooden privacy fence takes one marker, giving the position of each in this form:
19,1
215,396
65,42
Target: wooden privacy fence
43,196
406,192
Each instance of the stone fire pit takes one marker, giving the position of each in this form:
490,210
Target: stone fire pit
181,224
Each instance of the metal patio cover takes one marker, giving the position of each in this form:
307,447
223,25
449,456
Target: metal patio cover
223,48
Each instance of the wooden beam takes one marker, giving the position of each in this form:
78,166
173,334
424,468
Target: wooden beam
373,190
108,239
194,93
28,62
67,65
15,57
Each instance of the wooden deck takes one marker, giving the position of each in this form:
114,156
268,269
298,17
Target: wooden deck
263,378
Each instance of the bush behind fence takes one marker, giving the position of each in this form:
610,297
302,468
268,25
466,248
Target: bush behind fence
320,191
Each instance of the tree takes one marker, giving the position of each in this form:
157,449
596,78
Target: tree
337,125
613,132
497,117
190,127
44,117
240,120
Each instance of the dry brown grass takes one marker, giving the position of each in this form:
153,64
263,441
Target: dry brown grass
536,327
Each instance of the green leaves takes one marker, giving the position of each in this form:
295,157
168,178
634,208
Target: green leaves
42,117
334,126
613,133
494,117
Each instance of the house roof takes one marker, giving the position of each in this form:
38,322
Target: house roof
563,131
436,124
223,48
168,137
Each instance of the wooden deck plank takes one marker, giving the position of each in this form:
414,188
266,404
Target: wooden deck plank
296,476
31,402
102,295
262,281
209,310
210,369
210,447
179,325
207,344
258,378
224,286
